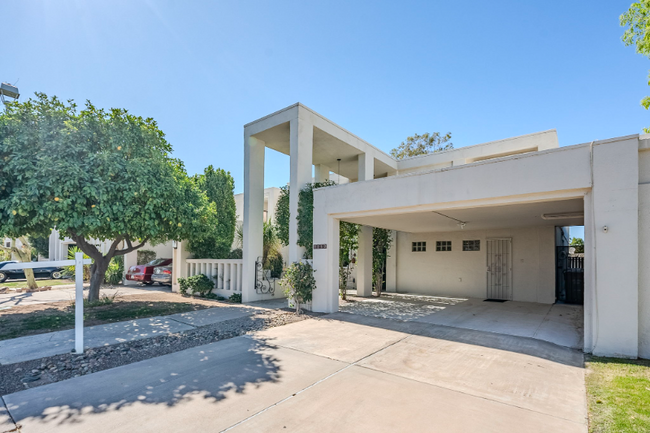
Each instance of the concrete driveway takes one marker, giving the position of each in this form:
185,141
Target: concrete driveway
556,323
336,374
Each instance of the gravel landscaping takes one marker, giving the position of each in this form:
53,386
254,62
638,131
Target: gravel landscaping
30,374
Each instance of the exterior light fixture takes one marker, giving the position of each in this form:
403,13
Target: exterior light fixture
563,215
174,244
9,91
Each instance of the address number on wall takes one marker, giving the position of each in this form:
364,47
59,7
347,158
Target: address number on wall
320,246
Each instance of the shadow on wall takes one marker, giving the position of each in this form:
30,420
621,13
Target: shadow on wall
216,372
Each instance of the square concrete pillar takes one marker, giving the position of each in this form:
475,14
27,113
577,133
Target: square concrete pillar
364,254
364,262
326,261
321,173
301,143
366,167
253,213
179,268
614,243
131,259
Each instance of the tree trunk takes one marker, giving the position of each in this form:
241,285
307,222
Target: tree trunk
26,257
97,275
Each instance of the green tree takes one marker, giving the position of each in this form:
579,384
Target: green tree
637,33
348,245
219,186
422,145
306,216
579,244
283,215
93,174
381,242
41,244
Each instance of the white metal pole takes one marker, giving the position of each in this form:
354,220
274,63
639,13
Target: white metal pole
79,303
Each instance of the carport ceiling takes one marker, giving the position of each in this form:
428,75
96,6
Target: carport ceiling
479,218
327,149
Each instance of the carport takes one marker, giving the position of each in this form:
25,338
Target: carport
486,229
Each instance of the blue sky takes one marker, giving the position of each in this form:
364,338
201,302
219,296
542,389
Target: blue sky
384,70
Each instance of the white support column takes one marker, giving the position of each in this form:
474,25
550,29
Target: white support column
366,167
321,173
253,212
130,259
179,268
364,254
615,203
301,143
364,262
326,262
391,264
589,276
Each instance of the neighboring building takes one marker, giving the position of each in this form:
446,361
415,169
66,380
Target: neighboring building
479,221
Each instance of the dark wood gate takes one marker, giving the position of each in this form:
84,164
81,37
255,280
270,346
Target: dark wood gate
569,276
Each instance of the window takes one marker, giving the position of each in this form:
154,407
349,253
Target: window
472,245
443,245
419,247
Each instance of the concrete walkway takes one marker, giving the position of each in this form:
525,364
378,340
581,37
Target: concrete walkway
67,293
55,343
342,373
556,323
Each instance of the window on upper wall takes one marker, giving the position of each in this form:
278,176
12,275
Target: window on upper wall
474,245
419,247
443,245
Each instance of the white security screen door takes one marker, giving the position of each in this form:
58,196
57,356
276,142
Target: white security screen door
499,268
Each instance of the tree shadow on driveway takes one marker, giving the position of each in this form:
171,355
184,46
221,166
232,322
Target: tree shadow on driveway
211,373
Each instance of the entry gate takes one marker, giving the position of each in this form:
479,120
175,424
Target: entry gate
569,276
499,268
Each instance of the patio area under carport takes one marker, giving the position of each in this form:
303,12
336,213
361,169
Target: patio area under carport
560,324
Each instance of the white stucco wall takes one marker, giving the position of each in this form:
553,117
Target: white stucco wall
644,253
459,273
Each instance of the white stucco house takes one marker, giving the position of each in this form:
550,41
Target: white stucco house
479,221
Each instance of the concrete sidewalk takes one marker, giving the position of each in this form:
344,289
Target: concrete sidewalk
55,343
344,373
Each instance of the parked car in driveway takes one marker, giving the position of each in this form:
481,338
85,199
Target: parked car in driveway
162,275
51,272
143,273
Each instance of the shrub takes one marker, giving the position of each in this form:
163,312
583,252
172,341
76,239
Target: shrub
196,285
69,271
235,297
115,270
299,283
145,256
276,265
237,253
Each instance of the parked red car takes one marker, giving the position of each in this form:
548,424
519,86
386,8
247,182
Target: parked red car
142,273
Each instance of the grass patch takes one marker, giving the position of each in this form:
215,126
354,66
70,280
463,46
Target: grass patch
16,323
618,395
39,283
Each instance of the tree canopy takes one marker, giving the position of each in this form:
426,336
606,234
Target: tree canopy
219,186
422,145
637,33
93,174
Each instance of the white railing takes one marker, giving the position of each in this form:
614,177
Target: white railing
78,263
226,274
